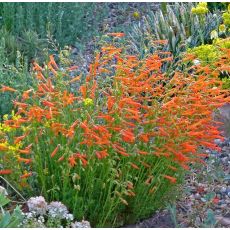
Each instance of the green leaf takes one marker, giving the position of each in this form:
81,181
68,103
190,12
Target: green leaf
3,200
5,220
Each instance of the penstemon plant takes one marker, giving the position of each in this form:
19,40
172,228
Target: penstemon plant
113,144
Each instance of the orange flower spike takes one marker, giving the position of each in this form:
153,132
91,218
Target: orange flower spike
149,180
26,175
24,151
144,137
26,95
128,136
110,102
77,78
134,166
20,104
36,67
72,161
7,89
122,153
116,34
52,62
83,91
61,158
18,139
142,152
48,104
40,76
25,160
52,69
72,68
102,154
55,151
93,89
5,171
170,178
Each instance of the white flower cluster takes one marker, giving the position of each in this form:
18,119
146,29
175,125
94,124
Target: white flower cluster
32,220
82,224
37,205
41,214
58,210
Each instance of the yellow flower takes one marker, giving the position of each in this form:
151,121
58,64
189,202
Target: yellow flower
136,14
47,124
222,28
200,9
5,117
226,18
5,128
88,102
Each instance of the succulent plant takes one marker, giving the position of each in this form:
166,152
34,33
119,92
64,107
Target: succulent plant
177,24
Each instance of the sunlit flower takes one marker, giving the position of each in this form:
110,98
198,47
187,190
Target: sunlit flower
88,102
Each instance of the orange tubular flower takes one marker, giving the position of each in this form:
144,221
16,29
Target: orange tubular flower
24,151
72,68
48,104
26,175
5,171
102,154
116,34
7,89
55,151
170,178
83,91
26,93
127,136
72,161
18,139
52,62
142,152
61,158
25,160
77,78
134,166
36,67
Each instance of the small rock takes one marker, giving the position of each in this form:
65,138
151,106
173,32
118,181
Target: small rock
223,190
223,206
223,220
3,191
218,141
193,189
197,196
203,200
207,151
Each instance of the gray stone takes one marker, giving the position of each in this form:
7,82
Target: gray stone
223,190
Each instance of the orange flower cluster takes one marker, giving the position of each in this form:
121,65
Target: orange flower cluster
139,112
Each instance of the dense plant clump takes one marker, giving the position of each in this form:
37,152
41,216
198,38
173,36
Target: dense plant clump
214,56
183,25
113,144
53,18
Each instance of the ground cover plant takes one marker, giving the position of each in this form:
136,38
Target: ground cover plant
111,145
